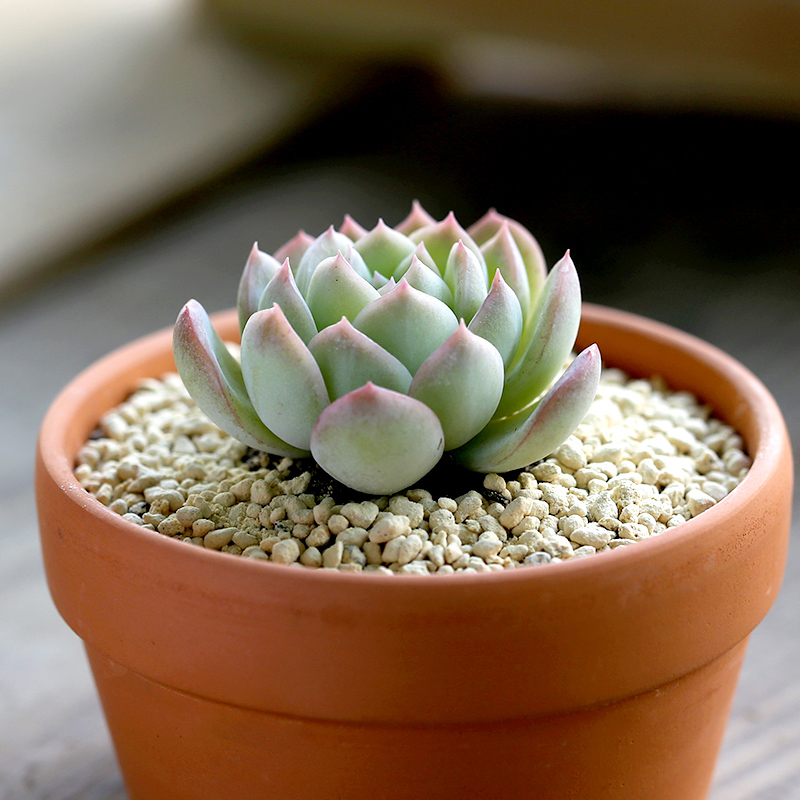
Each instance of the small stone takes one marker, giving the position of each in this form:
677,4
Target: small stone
332,557
389,527
515,511
360,515
413,568
487,546
448,504
245,540
286,551
452,552
319,536
353,536
372,552
592,535
558,546
255,552
402,506
353,554
268,542
337,523
535,559
218,539
322,511
170,526
546,471
568,525
717,491
260,492
571,454
555,497
648,521
295,485
698,501
494,483
488,523
187,515
402,549
601,505
119,506
516,552
469,504
436,555
225,499
441,518
302,516
201,527
632,530
241,490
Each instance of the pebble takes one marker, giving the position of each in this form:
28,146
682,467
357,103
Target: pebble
287,551
642,462
360,515
218,538
390,527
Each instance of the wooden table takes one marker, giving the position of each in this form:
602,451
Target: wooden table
53,742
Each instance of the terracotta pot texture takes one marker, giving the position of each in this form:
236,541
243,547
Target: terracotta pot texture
609,677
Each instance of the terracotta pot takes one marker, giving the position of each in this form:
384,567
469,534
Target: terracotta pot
609,677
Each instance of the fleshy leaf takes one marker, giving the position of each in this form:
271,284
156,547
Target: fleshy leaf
418,218
502,253
384,248
467,278
517,441
294,249
548,342
426,280
348,360
284,382
379,280
336,290
327,245
461,382
420,252
283,290
489,224
440,237
408,323
387,287
377,441
351,229
258,272
214,379
499,319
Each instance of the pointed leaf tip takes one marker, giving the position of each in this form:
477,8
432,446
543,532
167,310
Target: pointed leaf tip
258,271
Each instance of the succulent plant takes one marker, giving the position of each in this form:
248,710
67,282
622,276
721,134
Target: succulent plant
377,351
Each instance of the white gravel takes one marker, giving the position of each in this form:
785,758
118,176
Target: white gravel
643,461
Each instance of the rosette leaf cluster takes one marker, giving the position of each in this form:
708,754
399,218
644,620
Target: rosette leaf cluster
377,351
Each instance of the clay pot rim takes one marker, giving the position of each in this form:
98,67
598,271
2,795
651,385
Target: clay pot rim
767,437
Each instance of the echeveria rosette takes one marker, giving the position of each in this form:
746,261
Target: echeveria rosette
377,351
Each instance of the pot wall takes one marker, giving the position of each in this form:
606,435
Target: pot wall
483,658
657,745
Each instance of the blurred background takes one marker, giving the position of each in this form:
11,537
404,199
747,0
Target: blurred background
145,144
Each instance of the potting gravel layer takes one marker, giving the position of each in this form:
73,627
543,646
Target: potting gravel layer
643,461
